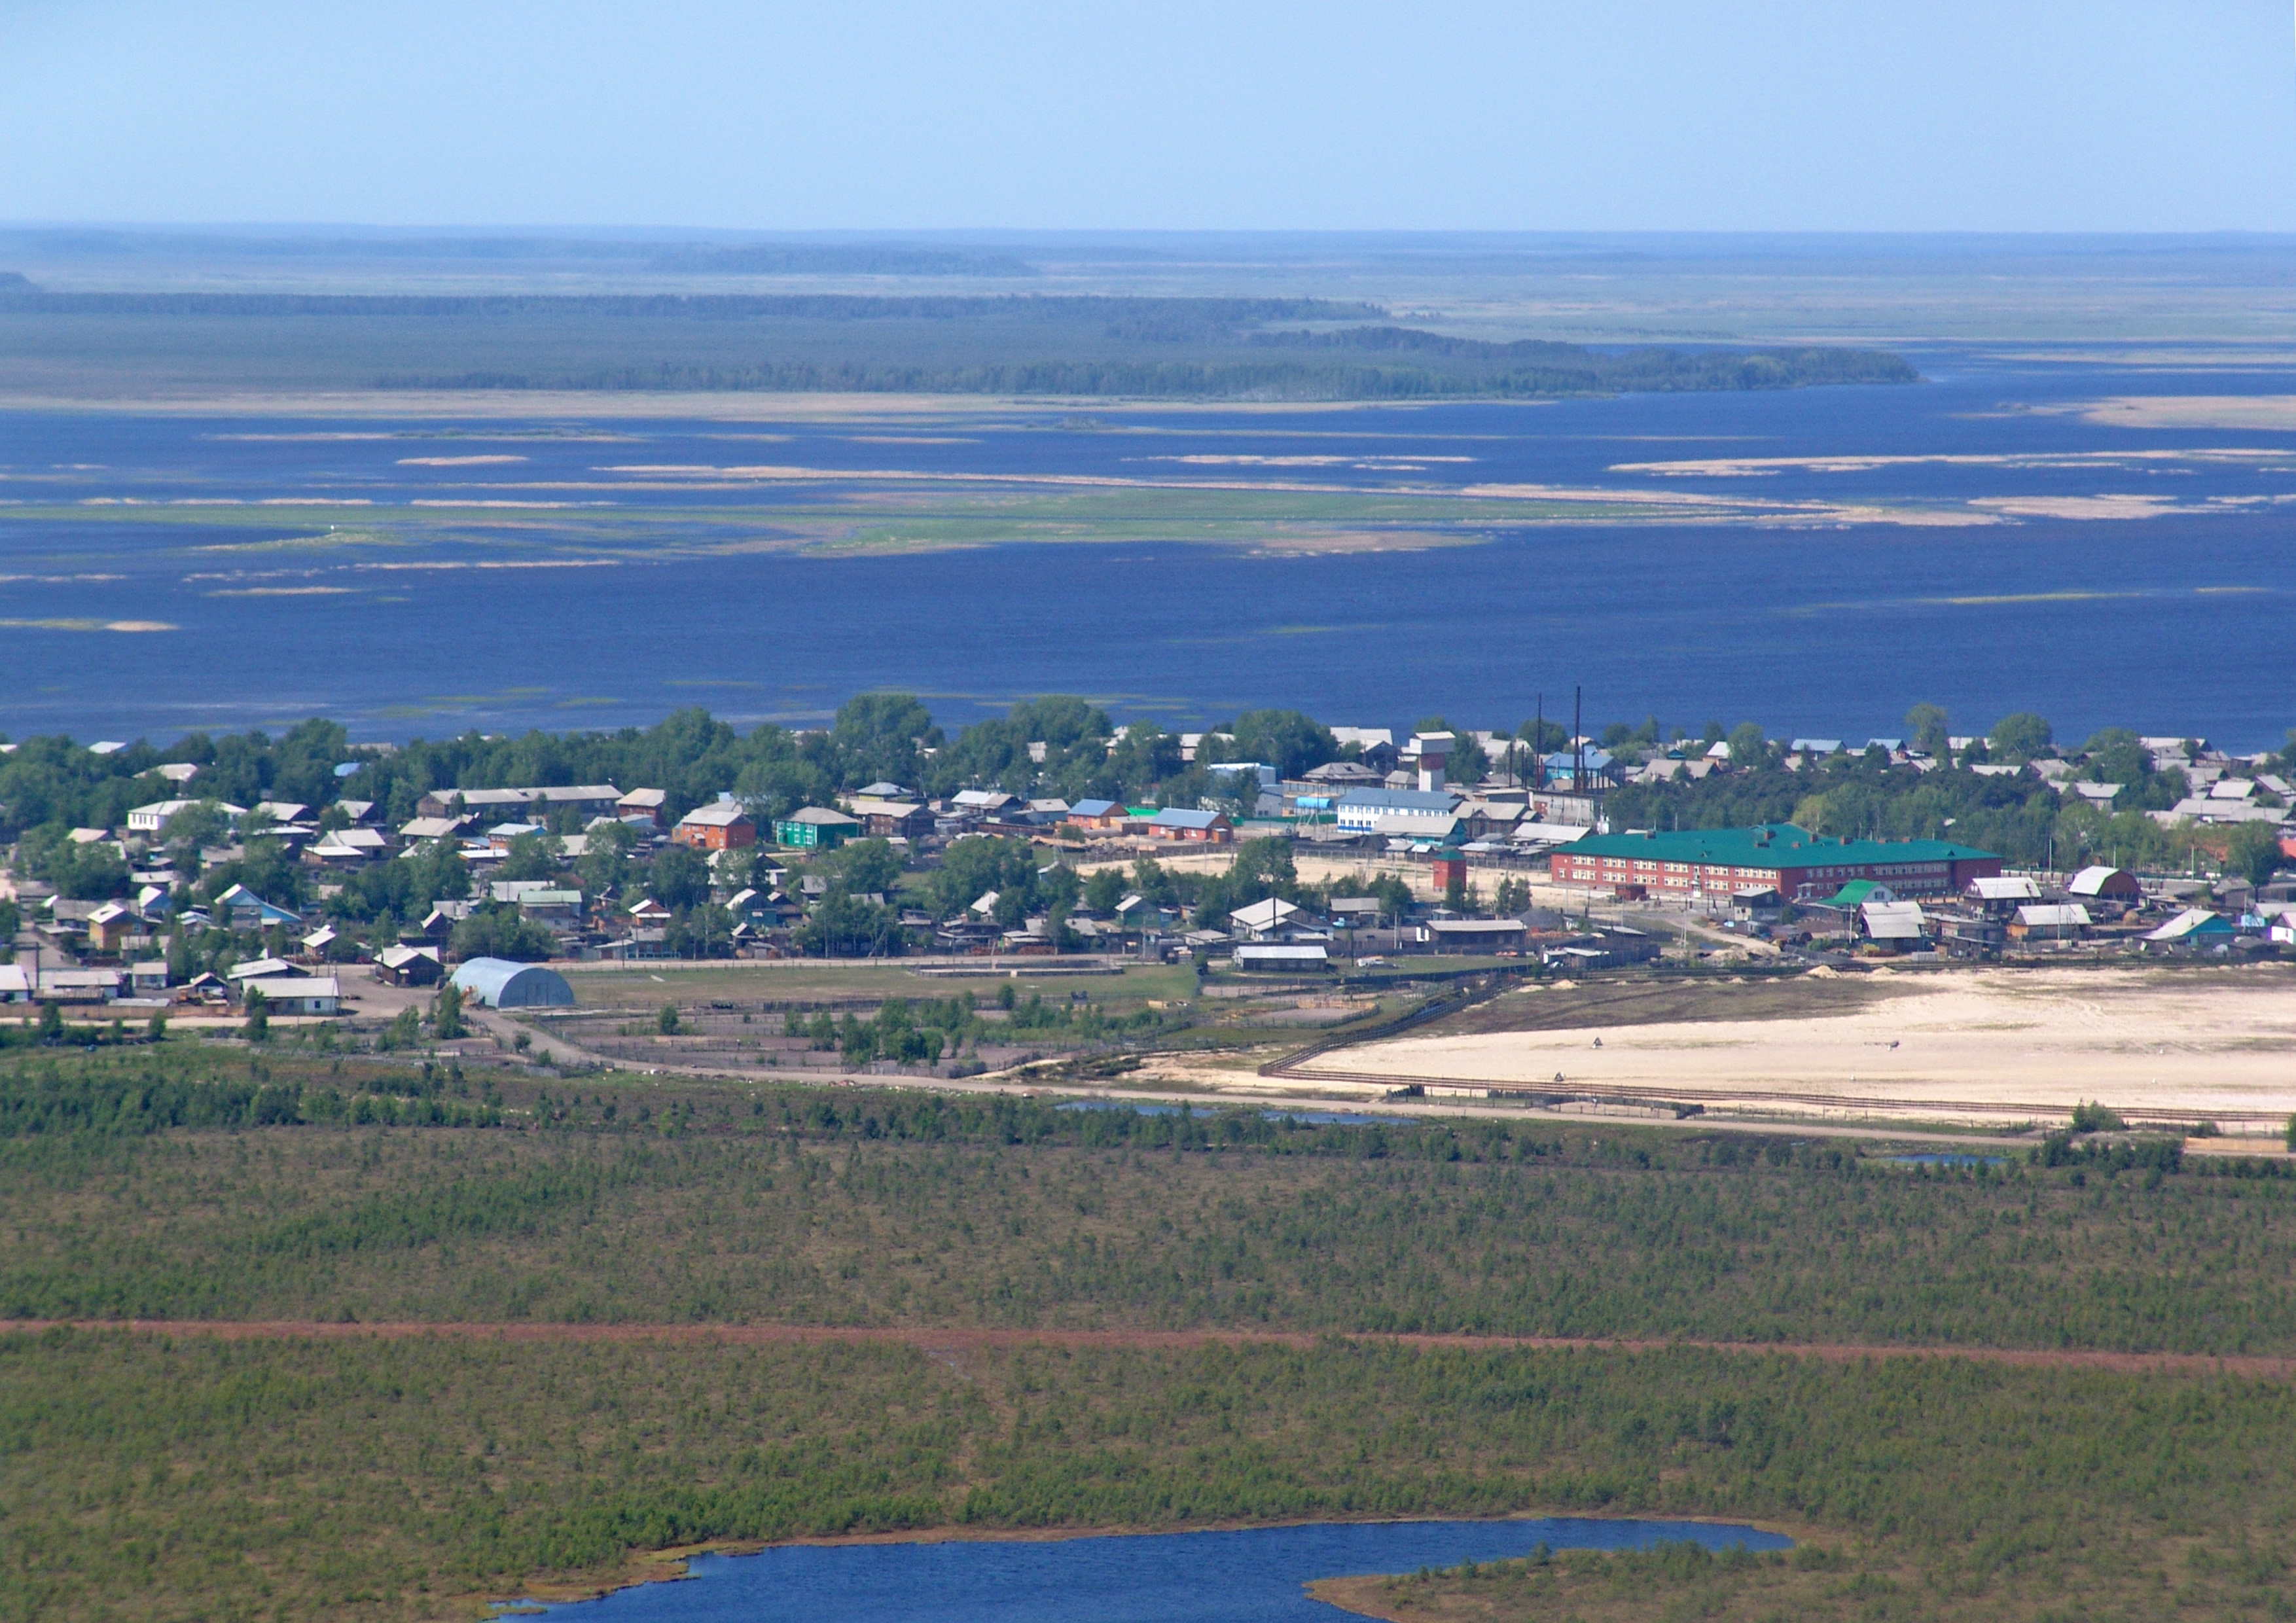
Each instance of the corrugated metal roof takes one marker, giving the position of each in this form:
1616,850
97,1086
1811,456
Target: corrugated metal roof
717,813
499,983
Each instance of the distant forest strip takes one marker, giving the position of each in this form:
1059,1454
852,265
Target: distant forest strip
1011,344
834,260
1555,376
1163,319
718,258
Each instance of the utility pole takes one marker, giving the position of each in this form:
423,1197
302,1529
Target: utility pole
1577,742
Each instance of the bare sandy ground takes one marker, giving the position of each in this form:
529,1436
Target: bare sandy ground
1981,1046
2195,411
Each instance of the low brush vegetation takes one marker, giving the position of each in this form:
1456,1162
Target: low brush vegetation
280,1477
183,1181
270,1479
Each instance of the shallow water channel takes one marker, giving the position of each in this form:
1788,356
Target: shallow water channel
1256,1576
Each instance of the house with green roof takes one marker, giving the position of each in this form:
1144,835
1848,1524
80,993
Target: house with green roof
1801,866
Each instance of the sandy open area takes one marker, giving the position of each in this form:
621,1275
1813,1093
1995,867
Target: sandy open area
1976,1045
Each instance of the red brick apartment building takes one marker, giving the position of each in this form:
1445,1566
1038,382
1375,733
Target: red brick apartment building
1798,864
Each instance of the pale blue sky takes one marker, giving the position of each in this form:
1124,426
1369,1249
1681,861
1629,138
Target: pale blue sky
2037,115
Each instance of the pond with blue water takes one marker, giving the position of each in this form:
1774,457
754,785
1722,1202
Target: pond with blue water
1255,1575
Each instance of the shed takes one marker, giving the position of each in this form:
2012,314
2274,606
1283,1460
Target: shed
297,993
1254,957
1858,893
258,969
1263,917
650,804
2193,927
1176,823
2053,920
500,984
2106,884
1478,932
407,966
1899,924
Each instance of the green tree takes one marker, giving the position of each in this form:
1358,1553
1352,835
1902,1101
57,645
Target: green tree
1151,883
876,737
2021,737
1105,889
1926,730
156,1028
1546,737
1290,742
499,931
92,872
447,1012
1748,748
679,878
404,1031
533,856
2117,755
867,865
701,932
971,868
843,926
2253,851
51,1029
666,1022
1144,756
257,1029
12,922
190,831
603,868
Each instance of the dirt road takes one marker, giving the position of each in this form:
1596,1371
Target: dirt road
772,1335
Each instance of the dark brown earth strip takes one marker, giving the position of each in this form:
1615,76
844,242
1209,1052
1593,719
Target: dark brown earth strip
766,1335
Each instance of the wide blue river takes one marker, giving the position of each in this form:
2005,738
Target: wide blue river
2066,562
1253,1577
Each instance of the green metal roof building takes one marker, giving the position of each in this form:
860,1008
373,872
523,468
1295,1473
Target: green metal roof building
1798,864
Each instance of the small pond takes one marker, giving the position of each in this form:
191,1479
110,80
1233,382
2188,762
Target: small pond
1255,1575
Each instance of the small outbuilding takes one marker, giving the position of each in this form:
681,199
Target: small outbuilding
500,984
297,993
2106,885
2050,921
406,965
1297,959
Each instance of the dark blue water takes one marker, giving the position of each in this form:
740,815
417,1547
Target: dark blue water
1254,1576
636,593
